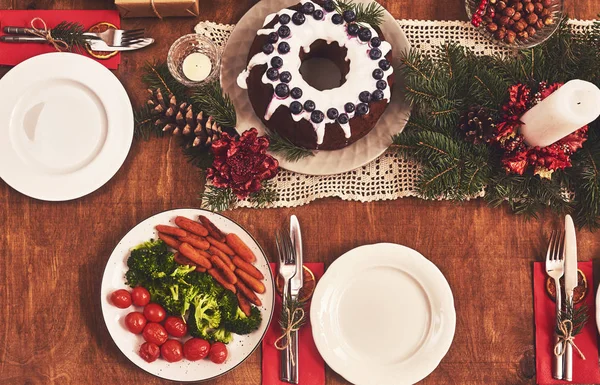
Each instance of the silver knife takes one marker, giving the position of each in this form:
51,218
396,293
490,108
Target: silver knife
570,284
296,284
100,45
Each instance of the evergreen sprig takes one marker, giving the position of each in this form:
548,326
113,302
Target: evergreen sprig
577,315
157,75
285,148
221,199
211,99
71,33
371,13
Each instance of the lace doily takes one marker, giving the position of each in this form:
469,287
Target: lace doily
389,176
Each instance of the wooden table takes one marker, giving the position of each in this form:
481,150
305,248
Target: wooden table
53,254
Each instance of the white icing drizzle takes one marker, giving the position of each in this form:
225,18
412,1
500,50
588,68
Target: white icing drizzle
359,77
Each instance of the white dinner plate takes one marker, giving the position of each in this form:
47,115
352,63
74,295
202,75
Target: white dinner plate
66,124
361,152
114,278
383,315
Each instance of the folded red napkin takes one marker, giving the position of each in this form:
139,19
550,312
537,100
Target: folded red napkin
14,53
584,371
312,367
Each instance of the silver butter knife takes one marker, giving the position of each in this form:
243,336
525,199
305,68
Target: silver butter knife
295,285
570,284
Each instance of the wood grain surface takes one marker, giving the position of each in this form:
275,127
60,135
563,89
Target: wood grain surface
52,255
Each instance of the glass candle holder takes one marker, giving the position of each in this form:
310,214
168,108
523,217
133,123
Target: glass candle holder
194,60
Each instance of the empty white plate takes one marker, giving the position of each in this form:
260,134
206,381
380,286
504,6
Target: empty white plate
66,125
383,315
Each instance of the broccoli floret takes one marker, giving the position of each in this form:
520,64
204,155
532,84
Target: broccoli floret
205,283
206,311
242,324
182,271
228,304
221,335
149,261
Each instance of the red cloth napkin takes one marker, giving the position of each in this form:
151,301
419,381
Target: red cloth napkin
14,53
312,368
584,371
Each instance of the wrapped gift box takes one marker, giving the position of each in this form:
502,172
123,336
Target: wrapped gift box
157,8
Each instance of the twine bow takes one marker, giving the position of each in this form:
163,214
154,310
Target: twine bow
566,337
292,326
154,9
46,33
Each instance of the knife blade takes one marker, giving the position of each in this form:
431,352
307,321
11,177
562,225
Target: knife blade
296,284
100,45
570,250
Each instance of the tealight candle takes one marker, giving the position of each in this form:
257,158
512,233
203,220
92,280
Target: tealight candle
196,67
567,109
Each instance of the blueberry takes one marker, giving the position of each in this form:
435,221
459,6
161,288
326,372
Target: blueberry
364,34
381,84
332,113
308,8
296,93
343,119
318,14
277,62
284,19
337,19
309,105
317,116
296,107
282,90
272,74
349,107
285,76
298,18
362,108
377,95
364,96
378,73
268,49
283,47
384,65
349,16
284,31
329,6
353,29
273,37
375,42
375,53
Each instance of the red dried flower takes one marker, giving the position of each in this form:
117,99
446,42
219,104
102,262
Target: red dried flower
242,164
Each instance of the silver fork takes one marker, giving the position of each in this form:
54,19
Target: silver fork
119,37
287,270
555,267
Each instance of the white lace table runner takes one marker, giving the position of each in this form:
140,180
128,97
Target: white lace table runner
389,176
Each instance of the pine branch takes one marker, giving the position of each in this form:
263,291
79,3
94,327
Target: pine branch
157,75
265,196
285,148
218,199
577,315
144,124
586,171
211,99
371,14
197,156
71,33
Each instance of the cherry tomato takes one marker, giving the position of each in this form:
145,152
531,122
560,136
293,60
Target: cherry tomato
155,333
140,296
154,312
195,349
149,351
218,353
175,326
135,322
172,351
121,298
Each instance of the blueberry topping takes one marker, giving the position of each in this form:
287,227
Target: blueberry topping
329,6
364,96
283,47
374,54
284,19
284,31
332,113
318,14
308,8
273,37
337,19
375,42
282,90
268,49
381,84
362,108
296,107
285,76
349,16
298,18
353,29
343,118
364,34
349,107
378,73
309,105
272,74
317,116
384,65
296,93
377,95
277,62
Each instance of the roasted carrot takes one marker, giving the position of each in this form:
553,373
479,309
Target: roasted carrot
187,250
182,260
196,241
224,257
216,274
240,247
212,229
250,281
191,226
252,297
169,240
244,304
247,267
171,230
221,246
225,271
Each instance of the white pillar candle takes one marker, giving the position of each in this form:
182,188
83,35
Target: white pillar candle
566,110
196,66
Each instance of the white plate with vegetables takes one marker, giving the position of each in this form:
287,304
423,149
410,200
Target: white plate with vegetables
186,324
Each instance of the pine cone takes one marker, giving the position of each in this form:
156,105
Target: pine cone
181,120
477,125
